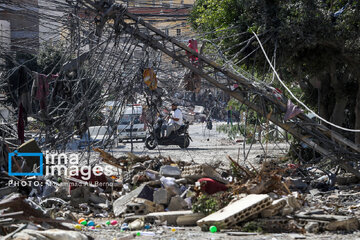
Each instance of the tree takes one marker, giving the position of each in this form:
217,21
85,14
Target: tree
316,43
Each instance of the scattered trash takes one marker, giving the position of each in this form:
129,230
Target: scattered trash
179,194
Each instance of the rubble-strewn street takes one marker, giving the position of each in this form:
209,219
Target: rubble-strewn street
166,197
179,119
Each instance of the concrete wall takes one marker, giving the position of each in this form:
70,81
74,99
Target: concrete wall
24,24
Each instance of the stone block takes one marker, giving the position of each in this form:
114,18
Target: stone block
170,171
136,208
274,208
161,196
119,205
237,211
177,203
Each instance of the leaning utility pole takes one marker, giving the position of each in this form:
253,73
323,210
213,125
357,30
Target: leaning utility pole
258,96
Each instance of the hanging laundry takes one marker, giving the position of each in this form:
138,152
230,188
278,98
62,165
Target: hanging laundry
149,77
193,45
21,124
40,88
291,110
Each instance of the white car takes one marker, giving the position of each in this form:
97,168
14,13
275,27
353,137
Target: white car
131,127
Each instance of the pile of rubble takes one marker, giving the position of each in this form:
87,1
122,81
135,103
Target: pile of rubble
151,192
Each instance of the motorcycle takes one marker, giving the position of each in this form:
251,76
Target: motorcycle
179,137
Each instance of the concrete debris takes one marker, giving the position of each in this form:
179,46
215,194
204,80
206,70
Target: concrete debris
189,219
137,224
151,192
30,234
275,208
119,206
177,203
170,171
333,222
161,196
171,216
237,211
196,172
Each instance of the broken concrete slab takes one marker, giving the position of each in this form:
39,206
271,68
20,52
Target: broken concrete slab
274,208
237,211
190,219
170,216
170,171
119,205
140,206
333,222
196,172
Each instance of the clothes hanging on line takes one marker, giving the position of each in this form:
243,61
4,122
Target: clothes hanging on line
40,88
21,124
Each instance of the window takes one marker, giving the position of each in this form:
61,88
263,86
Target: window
178,32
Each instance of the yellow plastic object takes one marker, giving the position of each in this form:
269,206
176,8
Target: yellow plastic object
150,80
78,227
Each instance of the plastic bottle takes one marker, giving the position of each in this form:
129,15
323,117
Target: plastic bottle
145,234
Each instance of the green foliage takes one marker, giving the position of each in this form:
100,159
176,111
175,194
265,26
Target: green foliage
209,204
50,58
312,45
252,227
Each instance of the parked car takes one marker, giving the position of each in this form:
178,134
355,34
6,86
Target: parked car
131,125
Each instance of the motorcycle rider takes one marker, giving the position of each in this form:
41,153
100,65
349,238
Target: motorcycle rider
175,120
